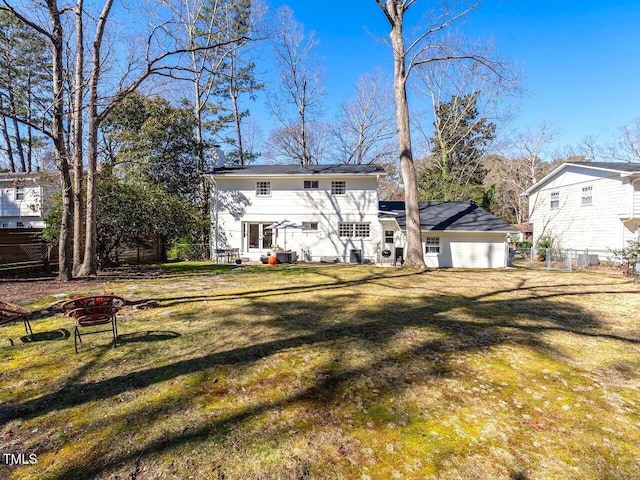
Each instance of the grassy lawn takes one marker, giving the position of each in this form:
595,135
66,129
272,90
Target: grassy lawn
334,372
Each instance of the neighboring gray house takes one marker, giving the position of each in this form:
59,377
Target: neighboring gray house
454,234
588,206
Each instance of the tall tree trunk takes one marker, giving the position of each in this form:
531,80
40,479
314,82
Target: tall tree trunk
7,141
29,128
90,263
237,122
78,219
204,201
414,256
62,157
16,129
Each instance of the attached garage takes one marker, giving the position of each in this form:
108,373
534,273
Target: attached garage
454,234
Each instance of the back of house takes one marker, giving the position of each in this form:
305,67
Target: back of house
332,210
332,213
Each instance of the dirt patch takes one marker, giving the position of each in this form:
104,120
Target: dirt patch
21,290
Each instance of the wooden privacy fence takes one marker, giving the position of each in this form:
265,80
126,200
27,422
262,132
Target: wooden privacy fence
22,248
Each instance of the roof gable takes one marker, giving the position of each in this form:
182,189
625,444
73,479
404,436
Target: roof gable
621,168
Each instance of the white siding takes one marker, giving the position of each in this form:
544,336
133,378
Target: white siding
463,249
468,250
28,206
25,211
597,226
238,203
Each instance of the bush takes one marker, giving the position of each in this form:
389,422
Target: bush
629,255
544,242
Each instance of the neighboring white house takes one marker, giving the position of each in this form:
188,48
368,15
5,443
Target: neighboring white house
21,199
340,217
588,206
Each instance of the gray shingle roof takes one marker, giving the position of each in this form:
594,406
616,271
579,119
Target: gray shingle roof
299,170
449,216
619,166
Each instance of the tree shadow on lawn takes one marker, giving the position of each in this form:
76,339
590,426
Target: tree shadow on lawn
59,334
148,336
485,323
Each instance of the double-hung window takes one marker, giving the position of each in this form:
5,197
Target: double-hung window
587,196
555,200
354,229
388,236
263,189
19,193
338,187
310,226
432,244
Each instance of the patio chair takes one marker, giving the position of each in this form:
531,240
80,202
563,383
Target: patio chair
91,311
10,312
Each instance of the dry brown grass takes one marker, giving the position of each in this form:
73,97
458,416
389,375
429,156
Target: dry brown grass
335,372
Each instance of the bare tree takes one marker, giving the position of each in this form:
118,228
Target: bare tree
241,21
51,29
283,144
78,150
301,88
427,47
162,57
627,146
525,166
363,133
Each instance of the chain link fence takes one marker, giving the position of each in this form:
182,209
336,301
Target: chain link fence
563,259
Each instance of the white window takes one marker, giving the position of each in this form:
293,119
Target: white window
388,236
311,184
309,225
263,189
354,230
19,225
555,200
361,230
5,225
432,244
19,193
587,196
338,187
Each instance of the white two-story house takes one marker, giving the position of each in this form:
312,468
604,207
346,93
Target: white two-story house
334,213
21,199
588,206
333,209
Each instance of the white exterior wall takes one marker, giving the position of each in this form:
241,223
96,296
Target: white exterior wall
461,249
27,210
467,250
595,227
235,199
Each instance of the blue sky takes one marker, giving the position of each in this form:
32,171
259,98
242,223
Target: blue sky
580,60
